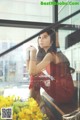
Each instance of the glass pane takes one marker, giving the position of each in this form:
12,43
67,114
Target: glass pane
65,10
25,10
70,45
13,72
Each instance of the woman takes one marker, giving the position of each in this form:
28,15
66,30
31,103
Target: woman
49,70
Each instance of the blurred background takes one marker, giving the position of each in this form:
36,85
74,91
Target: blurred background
19,20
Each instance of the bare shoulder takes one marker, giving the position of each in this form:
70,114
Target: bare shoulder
49,56
54,57
46,60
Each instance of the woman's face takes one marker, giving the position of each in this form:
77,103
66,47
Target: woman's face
44,41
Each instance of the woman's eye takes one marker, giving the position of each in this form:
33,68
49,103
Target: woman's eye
45,36
39,37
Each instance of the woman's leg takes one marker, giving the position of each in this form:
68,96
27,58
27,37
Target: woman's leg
44,109
36,95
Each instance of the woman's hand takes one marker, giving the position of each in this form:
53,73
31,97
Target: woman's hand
32,52
32,49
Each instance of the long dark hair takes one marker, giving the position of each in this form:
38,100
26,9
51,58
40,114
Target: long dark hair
41,53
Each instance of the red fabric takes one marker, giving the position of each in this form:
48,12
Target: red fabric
61,89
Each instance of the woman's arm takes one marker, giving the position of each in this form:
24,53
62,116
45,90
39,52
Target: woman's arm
37,68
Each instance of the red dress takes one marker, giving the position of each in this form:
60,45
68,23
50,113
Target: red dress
56,80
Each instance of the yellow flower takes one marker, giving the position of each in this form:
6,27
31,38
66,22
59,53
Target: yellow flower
27,110
14,116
